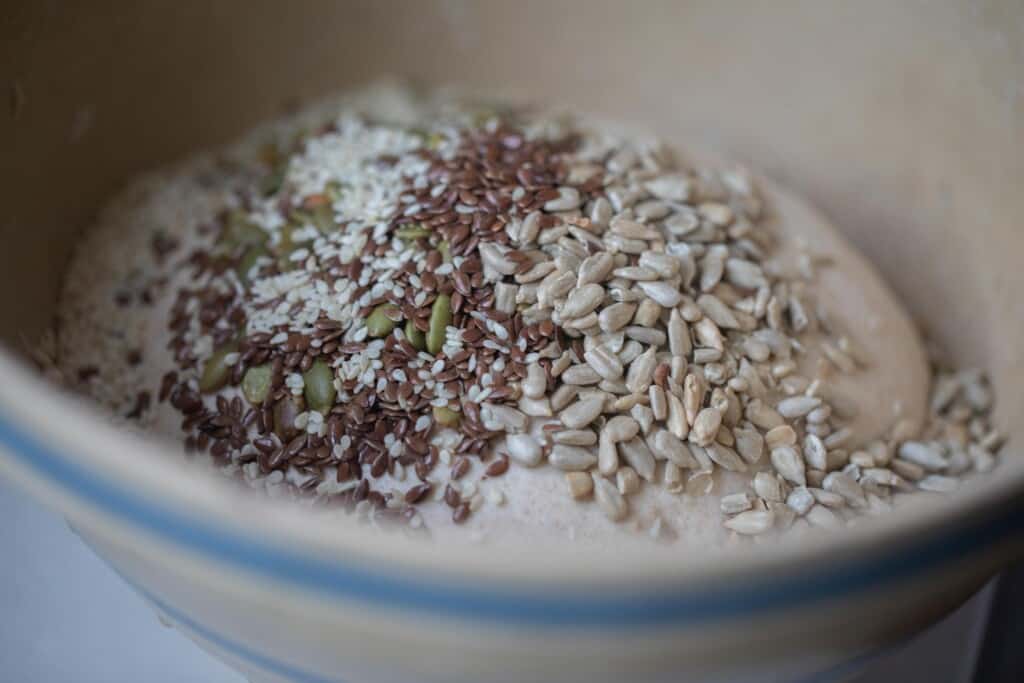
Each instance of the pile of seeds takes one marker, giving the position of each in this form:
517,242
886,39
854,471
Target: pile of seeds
386,313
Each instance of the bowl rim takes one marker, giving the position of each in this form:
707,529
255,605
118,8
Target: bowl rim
138,482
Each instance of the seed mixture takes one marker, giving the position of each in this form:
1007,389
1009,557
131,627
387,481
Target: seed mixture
382,314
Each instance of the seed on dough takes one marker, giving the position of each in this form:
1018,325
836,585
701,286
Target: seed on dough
575,437
751,523
580,484
612,503
705,426
571,458
582,412
639,456
788,463
524,449
621,428
797,406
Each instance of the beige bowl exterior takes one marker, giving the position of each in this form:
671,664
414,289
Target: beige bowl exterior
903,122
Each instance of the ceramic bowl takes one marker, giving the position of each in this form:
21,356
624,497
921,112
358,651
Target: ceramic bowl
907,129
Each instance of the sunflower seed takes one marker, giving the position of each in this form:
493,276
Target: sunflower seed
907,469
847,487
657,401
744,274
568,199
627,481
800,500
636,273
646,335
647,314
584,375
815,452
595,268
582,412
767,486
708,335
678,335
926,455
762,415
563,395
797,406
535,407
725,457
749,444
639,457
555,286
751,523
705,426
641,371
788,463
579,483
665,265
493,257
524,449
662,292
821,516
502,418
938,484
571,458
827,498
609,499
616,316
712,267
575,437
607,455
735,503
621,428
666,446
670,187
603,363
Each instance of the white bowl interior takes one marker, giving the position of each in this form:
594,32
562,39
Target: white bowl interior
905,127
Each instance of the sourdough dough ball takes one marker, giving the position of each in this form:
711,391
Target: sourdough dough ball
327,252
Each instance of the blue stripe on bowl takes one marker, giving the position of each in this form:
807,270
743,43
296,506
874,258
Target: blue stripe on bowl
252,658
538,607
233,648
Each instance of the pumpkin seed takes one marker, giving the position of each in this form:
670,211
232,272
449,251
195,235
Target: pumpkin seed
446,417
216,371
379,323
412,232
248,260
319,386
446,251
440,318
322,217
415,336
240,231
256,383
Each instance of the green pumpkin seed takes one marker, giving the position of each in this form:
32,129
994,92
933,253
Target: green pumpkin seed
240,231
415,336
252,254
412,232
216,371
446,251
446,417
320,392
440,318
256,383
285,247
323,219
379,324
272,182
